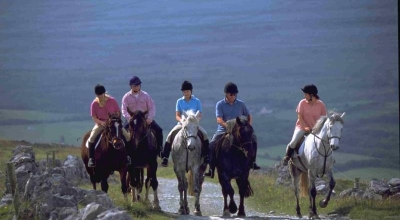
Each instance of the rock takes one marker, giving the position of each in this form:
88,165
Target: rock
379,187
6,200
394,182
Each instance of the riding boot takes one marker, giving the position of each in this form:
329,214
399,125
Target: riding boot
91,162
159,137
204,151
211,169
165,155
289,154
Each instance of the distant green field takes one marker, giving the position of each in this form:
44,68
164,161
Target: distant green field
31,115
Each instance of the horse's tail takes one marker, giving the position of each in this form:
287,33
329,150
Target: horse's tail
190,183
248,191
303,184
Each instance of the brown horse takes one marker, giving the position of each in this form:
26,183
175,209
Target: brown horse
142,148
110,155
233,157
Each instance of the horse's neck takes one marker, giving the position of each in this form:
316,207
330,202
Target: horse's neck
323,138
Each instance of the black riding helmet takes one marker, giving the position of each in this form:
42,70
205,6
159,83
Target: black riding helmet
186,85
135,81
231,87
311,89
99,89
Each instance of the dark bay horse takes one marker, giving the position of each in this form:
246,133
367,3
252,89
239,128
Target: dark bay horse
110,155
142,148
234,152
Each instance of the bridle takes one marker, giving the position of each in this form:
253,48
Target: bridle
240,147
110,139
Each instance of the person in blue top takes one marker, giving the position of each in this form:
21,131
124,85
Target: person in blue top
185,103
226,109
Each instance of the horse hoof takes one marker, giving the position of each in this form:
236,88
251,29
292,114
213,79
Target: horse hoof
241,215
226,213
197,213
313,216
299,216
157,208
323,204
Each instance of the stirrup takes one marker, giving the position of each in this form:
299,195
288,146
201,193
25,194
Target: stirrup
164,163
91,163
128,160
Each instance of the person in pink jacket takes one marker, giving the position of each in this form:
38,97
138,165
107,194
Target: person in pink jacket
137,99
309,110
101,107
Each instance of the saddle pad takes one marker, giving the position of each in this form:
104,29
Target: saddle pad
97,142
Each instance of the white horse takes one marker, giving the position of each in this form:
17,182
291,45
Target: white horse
316,160
186,156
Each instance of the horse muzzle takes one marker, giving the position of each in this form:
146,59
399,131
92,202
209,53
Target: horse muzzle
118,143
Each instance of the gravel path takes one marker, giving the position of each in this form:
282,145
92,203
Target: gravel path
211,202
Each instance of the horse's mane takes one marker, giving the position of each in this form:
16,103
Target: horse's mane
235,129
334,116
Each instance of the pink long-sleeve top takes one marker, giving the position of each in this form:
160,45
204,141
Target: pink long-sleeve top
142,102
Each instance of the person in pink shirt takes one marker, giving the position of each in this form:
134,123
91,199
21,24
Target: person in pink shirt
309,110
137,99
101,106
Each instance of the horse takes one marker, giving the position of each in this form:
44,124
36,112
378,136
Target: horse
316,160
186,156
233,154
110,155
142,148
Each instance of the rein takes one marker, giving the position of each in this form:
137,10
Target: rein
241,148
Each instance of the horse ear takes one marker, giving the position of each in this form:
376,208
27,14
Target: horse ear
129,111
342,116
238,121
197,114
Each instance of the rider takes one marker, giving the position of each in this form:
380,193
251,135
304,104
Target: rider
309,110
185,103
226,109
137,99
101,106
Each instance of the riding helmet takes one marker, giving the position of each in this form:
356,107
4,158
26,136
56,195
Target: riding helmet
135,81
99,89
231,87
311,89
186,85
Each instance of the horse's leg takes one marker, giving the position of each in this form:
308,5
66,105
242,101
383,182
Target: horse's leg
104,185
93,181
181,188
332,183
295,173
154,185
122,178
313,193
197,190
134,183
147,186
241,185
227,190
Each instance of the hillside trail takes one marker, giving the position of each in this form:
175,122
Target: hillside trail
211,203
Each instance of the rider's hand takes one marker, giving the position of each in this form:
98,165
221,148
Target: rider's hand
148,120
307,129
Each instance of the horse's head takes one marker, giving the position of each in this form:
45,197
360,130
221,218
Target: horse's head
190,127
243,134
138,126
334,125
113,131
